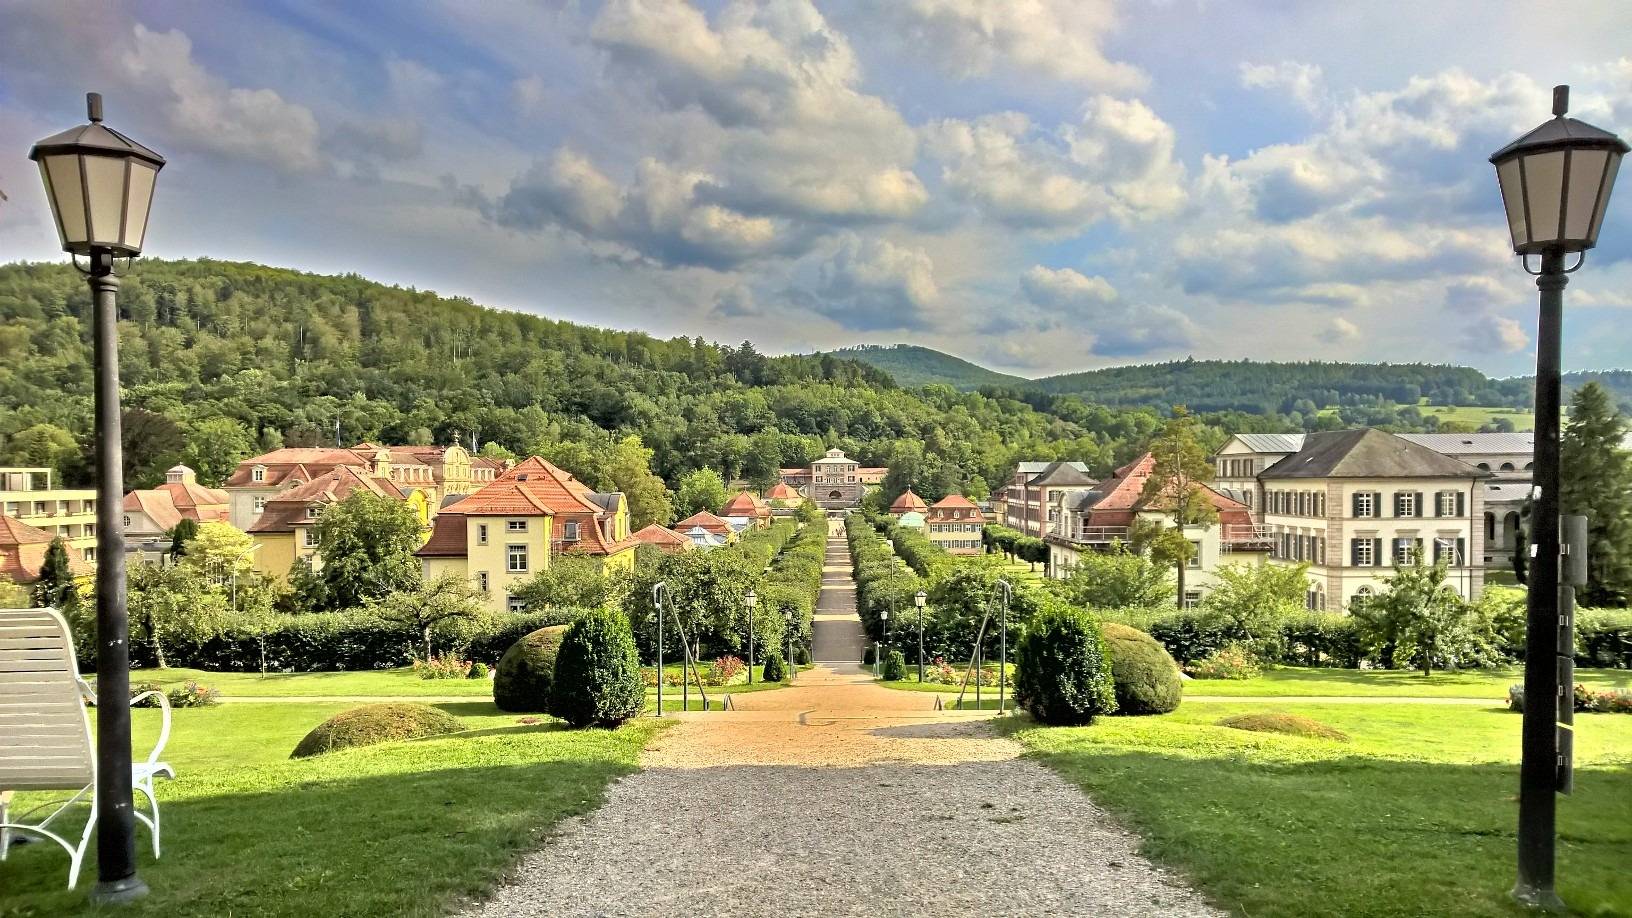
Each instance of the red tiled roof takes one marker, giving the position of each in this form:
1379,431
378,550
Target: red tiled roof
907,502
283,464
447,537
781,491
708,521
745,504
22,551
158,505
283,511
956,500
15,532
659,536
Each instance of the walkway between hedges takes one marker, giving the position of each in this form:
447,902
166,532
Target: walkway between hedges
838,797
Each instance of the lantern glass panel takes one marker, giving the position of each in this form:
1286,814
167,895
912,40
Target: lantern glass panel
1603,202
1544,190
1586,174
1507,175
142,177
105,179
67,196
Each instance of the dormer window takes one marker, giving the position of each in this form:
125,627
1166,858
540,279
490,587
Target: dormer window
258,474
312,511
569,531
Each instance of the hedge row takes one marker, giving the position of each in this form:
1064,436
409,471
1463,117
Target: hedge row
795,580
346,641
1014,543
881,582
913,546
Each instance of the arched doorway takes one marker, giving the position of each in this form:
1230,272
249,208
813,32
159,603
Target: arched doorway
1490,529
1510,529
835,495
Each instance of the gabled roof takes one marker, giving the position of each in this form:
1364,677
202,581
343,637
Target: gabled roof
954,501
706,520
447,539
285,510
660,536
908,501
534,487
1062,475
1272,442
1453,444
158,506
280,464
1367,453
15,532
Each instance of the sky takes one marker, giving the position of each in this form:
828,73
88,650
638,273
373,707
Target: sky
1039,186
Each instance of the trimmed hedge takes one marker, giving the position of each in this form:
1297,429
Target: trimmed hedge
522,682
1147,679
376,723
775,670
1062,674
597,672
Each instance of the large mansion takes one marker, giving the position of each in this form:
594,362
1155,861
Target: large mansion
1032,492
835,481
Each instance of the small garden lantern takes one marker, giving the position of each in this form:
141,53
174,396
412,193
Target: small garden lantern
749,601
918,600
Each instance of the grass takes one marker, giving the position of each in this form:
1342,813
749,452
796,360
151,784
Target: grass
1472,683
404,828
401,683
1414,815
1475,415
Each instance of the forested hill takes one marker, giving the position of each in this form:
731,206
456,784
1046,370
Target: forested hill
912,365
221,360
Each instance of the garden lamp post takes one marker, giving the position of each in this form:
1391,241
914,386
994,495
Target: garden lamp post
100,185
1555,184
787,618
750,601
918,600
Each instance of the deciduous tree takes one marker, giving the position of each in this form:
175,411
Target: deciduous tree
366,544
700,490
1177,486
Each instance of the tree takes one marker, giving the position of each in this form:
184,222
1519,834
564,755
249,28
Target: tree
1596,480
218,551
1420,619
700,490
366,544
571,581
167,603
1115,579
1177,486
185,530
152,444
431,604
215,446
43,445
629,469
55,586
1251,602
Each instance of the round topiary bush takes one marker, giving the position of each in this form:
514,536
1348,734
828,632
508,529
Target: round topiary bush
522,683
597,674
1147,678
801,655
1062,674
869,655
1289,724
895,666
376,723
775,669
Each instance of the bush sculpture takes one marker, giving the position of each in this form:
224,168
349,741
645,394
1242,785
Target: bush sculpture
1062,674
597,674
1147,678
895,666
522,683
775,669
1289,724
376,723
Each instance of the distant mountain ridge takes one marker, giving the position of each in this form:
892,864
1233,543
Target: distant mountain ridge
913,365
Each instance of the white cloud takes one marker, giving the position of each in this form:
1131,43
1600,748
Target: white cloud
1304,83
1065,287
1073,303
876,284
1493,334
1057,39
1340,331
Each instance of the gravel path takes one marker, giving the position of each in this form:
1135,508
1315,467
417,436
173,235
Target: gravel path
838,797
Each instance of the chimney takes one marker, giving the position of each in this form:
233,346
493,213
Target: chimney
382,463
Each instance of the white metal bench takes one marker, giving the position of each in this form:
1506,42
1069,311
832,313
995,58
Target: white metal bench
45,733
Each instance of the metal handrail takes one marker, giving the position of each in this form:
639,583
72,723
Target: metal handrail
976,658
688,665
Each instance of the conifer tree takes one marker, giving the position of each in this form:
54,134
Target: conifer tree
55,586
1596,481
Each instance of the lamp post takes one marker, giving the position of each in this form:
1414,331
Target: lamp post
1555,184
100,185
787,618
750,601
878,656
918,600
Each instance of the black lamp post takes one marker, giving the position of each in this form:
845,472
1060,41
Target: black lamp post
100,185
1555,185
750,600
918,600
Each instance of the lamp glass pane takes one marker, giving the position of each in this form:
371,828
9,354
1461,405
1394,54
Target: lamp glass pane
105,180
141,195
67,197
1603,195
1544,189
1586,173
1507,176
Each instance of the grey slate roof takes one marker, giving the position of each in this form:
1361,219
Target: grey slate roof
1452,444
1272,442
1034,468
1063,475
1367,453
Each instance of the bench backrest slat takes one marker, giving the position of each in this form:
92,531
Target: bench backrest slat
45,733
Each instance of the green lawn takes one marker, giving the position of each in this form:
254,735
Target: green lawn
1475,415
1414,816
1472,683
397,829
383,682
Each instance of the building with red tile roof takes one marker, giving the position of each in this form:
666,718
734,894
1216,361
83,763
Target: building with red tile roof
955,523
908,502
663,539
782,493
508,530
708,522
22,552
151,514
745,506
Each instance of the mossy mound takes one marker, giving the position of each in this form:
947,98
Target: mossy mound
1147,677
521,685
376,723
1289,724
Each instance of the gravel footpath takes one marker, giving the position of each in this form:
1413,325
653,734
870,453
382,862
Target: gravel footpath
838,797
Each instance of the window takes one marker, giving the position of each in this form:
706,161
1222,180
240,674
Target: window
1449,503
1191,598
312,511
1364,552
260,504
1195,555
259,474
515,525
515,559
1365,504
515,605
481,581
481,533
569,531
127,522
1406,549
88,554
311,537
1405,503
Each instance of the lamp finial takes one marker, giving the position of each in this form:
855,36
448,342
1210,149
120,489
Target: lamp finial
1561,100
93,106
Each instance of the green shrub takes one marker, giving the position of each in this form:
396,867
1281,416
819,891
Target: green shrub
1289,724
1062,673
1232,662
376,723
1147,679
443,666
597,672
193,695
478,670
895,665
801,654
869,656
775,669
522,682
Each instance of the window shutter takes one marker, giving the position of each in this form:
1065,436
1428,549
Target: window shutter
1354,552
1439,503
1377,552
1399,503
1461,500
1355,500
1419,505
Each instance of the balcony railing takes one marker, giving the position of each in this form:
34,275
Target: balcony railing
1244,537
1097,535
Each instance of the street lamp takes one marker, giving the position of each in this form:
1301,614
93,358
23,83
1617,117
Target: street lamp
750,601
918,600
1555,184
100,185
